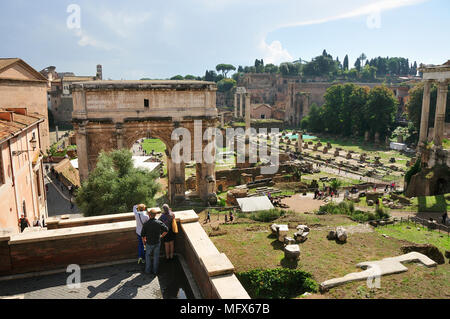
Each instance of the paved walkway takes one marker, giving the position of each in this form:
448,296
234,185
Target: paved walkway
124,281
58,199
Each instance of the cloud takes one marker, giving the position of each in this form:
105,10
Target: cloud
368,9
87,40
122,23
274,52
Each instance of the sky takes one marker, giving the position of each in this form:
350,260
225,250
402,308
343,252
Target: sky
159,39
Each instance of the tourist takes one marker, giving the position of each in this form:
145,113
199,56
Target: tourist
168,218
141,218
231,216
23,223
226,218
444,218
208,217
152,232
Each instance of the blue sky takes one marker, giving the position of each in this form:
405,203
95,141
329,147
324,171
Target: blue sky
159,39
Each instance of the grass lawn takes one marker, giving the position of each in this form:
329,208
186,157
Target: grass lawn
422,236
250,245
153,144
436,203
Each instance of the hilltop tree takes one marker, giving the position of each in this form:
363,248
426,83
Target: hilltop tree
225,68
358,64
363,58
345,65
115,185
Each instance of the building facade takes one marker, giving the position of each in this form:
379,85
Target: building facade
22,187
60,101
22,86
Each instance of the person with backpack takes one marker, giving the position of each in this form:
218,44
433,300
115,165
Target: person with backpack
168,218
141,218
23,223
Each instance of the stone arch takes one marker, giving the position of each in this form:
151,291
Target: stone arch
111,115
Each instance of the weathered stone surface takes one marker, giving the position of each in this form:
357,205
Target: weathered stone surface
428,250
386,266
289,241
274,229
341,234
331,235
292,252
301,237
303,228
282,232
370,202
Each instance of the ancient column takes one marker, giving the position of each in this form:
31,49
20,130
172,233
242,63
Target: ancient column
206,180
119,136
241,100
248,111
82,151
425,113
300,142
439,120
235,105
176,179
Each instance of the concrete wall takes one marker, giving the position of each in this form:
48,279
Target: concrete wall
36,251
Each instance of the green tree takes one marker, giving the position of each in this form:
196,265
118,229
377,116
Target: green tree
363,58
358,64
226,85
225,68
177,77
380,110
115,185
345,65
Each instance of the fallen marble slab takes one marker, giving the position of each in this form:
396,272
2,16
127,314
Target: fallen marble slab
373,269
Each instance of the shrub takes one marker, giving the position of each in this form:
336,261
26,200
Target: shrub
412,171
267,215
279,283
348,208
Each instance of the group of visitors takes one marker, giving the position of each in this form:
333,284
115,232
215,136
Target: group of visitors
318,194
25,223
229,217
151,232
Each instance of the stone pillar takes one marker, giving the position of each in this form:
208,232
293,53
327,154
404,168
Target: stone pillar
176,178
300,142
235,105
206,180
439,120
425,113
222,120
241,105
119,136
82,151
248,111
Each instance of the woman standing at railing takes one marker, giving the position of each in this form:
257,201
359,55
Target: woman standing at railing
168,218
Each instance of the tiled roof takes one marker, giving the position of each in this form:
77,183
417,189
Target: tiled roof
20,122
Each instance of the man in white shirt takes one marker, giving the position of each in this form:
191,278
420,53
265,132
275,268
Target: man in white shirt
140,213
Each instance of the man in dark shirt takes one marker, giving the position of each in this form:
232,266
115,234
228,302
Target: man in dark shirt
152,232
